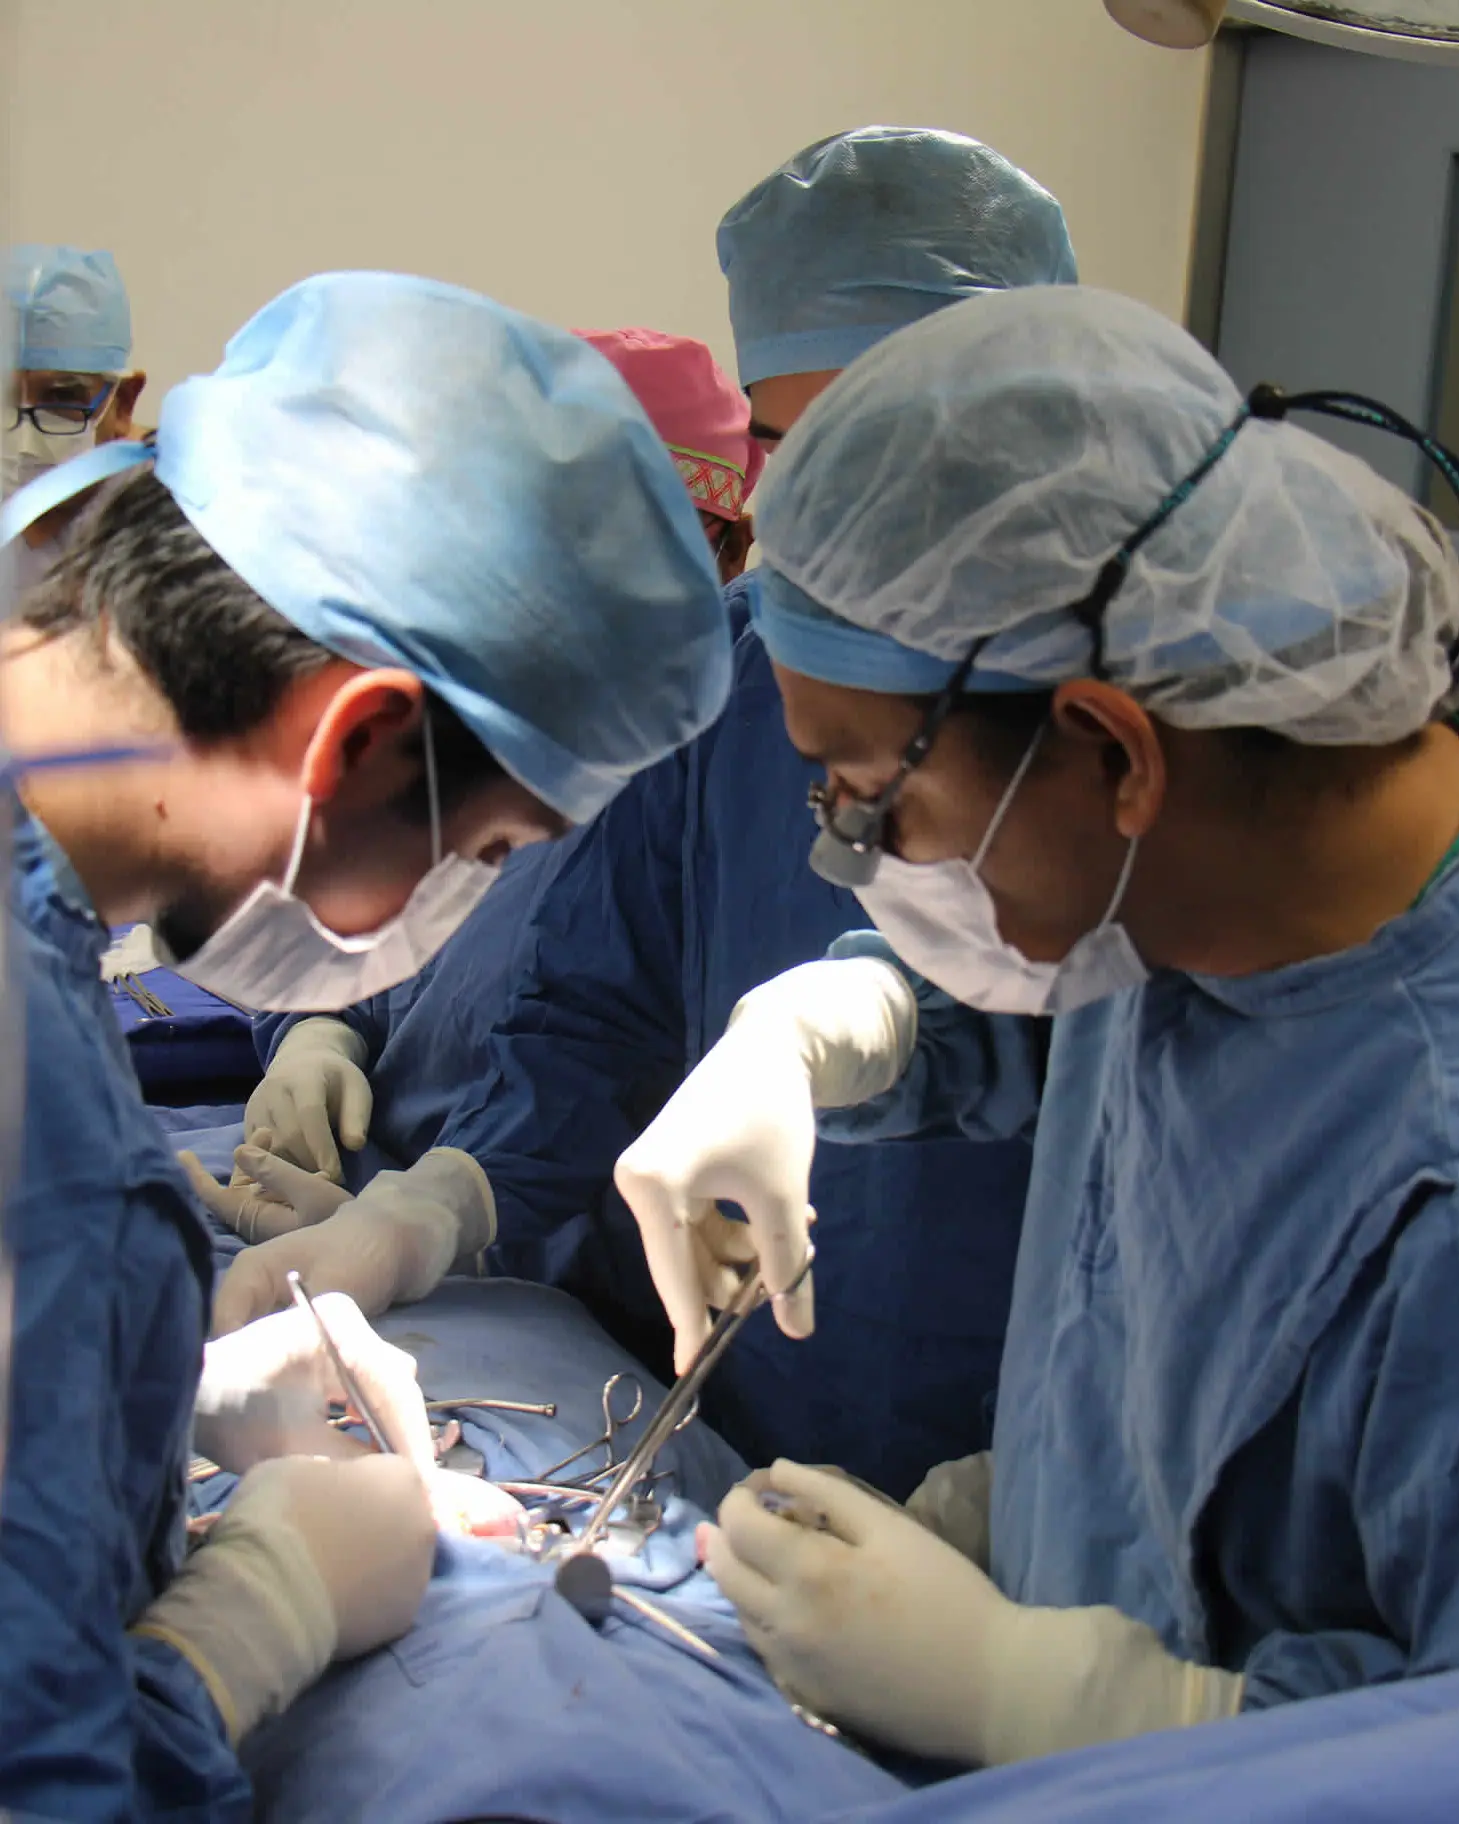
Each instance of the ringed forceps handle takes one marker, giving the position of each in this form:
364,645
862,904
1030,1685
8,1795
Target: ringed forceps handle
681,1397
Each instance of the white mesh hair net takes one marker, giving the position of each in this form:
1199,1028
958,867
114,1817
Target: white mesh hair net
969,477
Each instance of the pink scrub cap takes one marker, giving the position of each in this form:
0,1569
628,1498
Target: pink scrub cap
695,407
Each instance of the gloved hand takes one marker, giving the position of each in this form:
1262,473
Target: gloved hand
471,1505
311,1562
881,1627
265,1390
742,1126
955,1501
315,1087
390,1245
267,1196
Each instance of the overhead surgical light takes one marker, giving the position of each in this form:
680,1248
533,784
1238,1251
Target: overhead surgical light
1417,31
1180,25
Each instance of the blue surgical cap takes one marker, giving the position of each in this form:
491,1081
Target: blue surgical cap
863,233
69,309
415,475
965,483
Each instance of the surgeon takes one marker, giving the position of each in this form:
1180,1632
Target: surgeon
702,416
71,388
304,676
693,887
393,1067
1129,698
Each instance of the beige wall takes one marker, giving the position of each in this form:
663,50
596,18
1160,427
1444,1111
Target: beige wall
569,156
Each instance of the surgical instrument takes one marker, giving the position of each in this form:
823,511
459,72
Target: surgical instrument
121,985
346,1378
586,1582
139,989
547,1411
559,1491
681,1400
612,1425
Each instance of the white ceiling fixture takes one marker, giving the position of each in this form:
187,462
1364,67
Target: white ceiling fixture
1416,31
1179,25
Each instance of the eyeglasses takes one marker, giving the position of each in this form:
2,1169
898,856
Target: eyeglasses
58,420
852,838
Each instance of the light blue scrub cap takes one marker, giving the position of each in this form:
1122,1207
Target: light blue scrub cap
861,234
968,479
414,475
69,310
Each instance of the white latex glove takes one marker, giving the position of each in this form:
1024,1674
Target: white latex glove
955,1501
265,1390
392,1244
881,1627
742,1126
315,1088
267,1196
310,1562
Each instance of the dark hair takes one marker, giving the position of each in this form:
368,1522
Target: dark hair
1264,762
211,644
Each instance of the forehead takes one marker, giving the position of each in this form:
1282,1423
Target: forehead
840,726
40,382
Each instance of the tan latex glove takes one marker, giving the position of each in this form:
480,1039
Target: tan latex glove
392,1244
266,1196
314,1089
955,1501
871,1621
311,1561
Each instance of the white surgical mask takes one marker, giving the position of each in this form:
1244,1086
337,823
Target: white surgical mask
28,453
274,955
940,919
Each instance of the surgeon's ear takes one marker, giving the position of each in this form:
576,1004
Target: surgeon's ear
357,740
1090,711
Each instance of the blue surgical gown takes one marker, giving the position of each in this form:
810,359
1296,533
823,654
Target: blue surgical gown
1229,1393
111,1266
1386,1755
689,890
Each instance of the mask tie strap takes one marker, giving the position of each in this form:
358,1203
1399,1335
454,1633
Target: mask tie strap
433,790
1122,884
995,821
301,836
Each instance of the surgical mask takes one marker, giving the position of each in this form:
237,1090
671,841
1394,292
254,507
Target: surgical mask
940,919
275,956
29,453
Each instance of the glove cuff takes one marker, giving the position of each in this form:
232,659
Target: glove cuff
440,1211
1058,1679
853,1023
250,1613
461,1178
325,1034
955,1501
